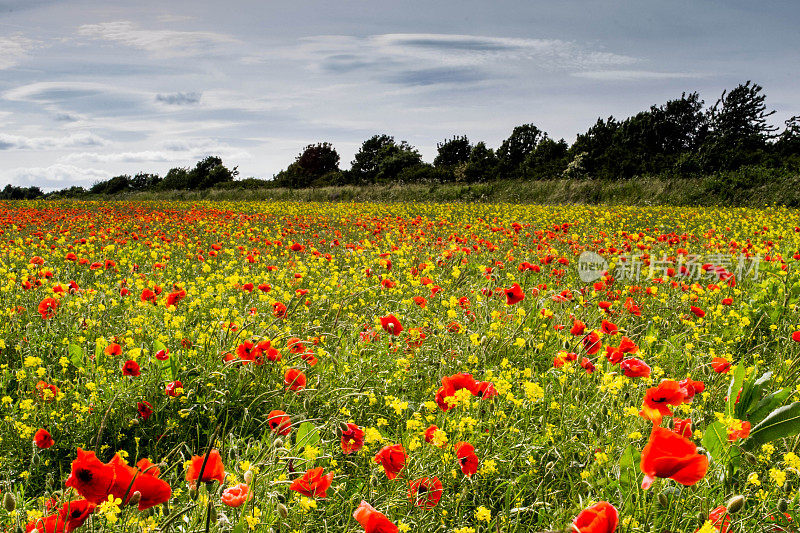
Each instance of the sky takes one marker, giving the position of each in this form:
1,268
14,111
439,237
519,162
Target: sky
90,89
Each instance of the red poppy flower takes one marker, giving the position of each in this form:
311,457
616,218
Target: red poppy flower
172,388
43,440
278,310
467,458
657,399
48,524
372,521
352,439
279,422
635,368
74,514
690,387
90,477
514,294
721,365
429,433
727,301
599,518
484,389
451,384
174,297
313,483
591,343
699,313
669,455
162,355
238,494
148,296
609,328
739,433
627,346
131,368
391,325
682,427
614,355
214,469
144,409
113,349
47,308
294,380
425,492
46,391
587,365
796,336
393,459
577,328
142,479
720,518
420,301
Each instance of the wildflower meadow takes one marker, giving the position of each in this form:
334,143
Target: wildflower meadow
450,368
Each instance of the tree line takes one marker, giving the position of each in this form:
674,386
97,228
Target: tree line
681,137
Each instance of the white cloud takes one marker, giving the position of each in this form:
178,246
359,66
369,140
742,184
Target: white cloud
19,142
164,43
13,49
57,176
632,75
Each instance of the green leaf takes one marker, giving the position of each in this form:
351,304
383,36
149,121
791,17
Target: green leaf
715,439
241,527
629,469
76,355
768,403
751,391
99,346
734,388
780,423
307,435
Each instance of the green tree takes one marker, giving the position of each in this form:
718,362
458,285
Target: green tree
515,149
312,165
547,161
481,165
452,152
738,128
382,160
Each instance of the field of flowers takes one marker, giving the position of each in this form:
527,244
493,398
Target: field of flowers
398,367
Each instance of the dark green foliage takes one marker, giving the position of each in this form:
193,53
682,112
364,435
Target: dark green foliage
517,147
207,173
481,165
115,185
10,192
381,160
452,152
311,166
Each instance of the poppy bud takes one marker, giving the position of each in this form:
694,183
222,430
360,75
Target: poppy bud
248,477
663,500
282,511
9,502
135,497
783,505
549,466
278,443
343,427
735,504
134,422
193,493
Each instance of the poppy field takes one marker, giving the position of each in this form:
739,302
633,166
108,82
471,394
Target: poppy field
453,368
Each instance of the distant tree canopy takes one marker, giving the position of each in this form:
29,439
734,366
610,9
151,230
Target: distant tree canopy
382,160
313,164
678,138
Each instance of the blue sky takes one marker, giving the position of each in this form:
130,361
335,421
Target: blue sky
89,90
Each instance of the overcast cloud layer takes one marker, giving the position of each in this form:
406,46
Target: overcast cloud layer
89,90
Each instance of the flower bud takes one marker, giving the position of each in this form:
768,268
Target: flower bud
193,492
278,443
135,497
735,504
282,511
783,505
663,500
248,477
343,427
134,422
9,502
